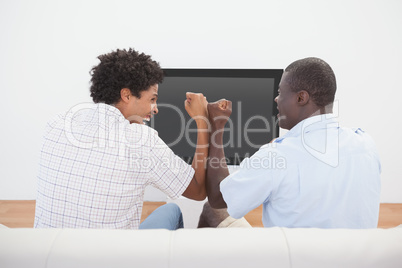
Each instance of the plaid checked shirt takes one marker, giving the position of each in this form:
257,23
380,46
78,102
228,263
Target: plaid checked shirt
95,165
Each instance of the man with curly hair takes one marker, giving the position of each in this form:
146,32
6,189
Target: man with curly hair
97,159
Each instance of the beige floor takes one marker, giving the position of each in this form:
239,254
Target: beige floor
20,214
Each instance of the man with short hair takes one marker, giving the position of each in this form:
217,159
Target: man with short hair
97,159
316,175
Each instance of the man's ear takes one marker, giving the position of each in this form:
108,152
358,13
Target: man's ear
303,97
125,94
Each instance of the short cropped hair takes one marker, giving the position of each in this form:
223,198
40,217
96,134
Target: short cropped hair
123,69
314,76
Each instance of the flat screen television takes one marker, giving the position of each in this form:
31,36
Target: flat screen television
253,121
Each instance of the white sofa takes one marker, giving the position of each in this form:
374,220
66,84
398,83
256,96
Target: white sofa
188,248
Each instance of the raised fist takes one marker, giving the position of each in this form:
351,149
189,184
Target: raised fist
219,112
196,106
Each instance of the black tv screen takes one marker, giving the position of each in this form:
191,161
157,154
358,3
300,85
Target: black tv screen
252,124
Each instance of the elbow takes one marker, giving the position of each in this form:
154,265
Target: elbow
200,197
195,191
215,197
217,201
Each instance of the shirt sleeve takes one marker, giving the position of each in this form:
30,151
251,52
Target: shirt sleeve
169,173
251,185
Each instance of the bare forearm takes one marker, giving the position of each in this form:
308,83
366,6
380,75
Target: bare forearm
196,190
217,169
201,154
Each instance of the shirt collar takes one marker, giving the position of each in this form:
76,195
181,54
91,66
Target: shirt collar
107,109
322,121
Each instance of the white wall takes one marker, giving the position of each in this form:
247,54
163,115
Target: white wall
48,47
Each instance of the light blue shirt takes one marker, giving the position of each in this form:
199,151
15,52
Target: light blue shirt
316,175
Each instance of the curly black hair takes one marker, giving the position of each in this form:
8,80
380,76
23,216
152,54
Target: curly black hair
123,69
316,77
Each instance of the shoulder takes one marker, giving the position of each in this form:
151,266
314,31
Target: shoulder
362,134
55,122
145,138
282,147
357,139
357,136
269,157
141,132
